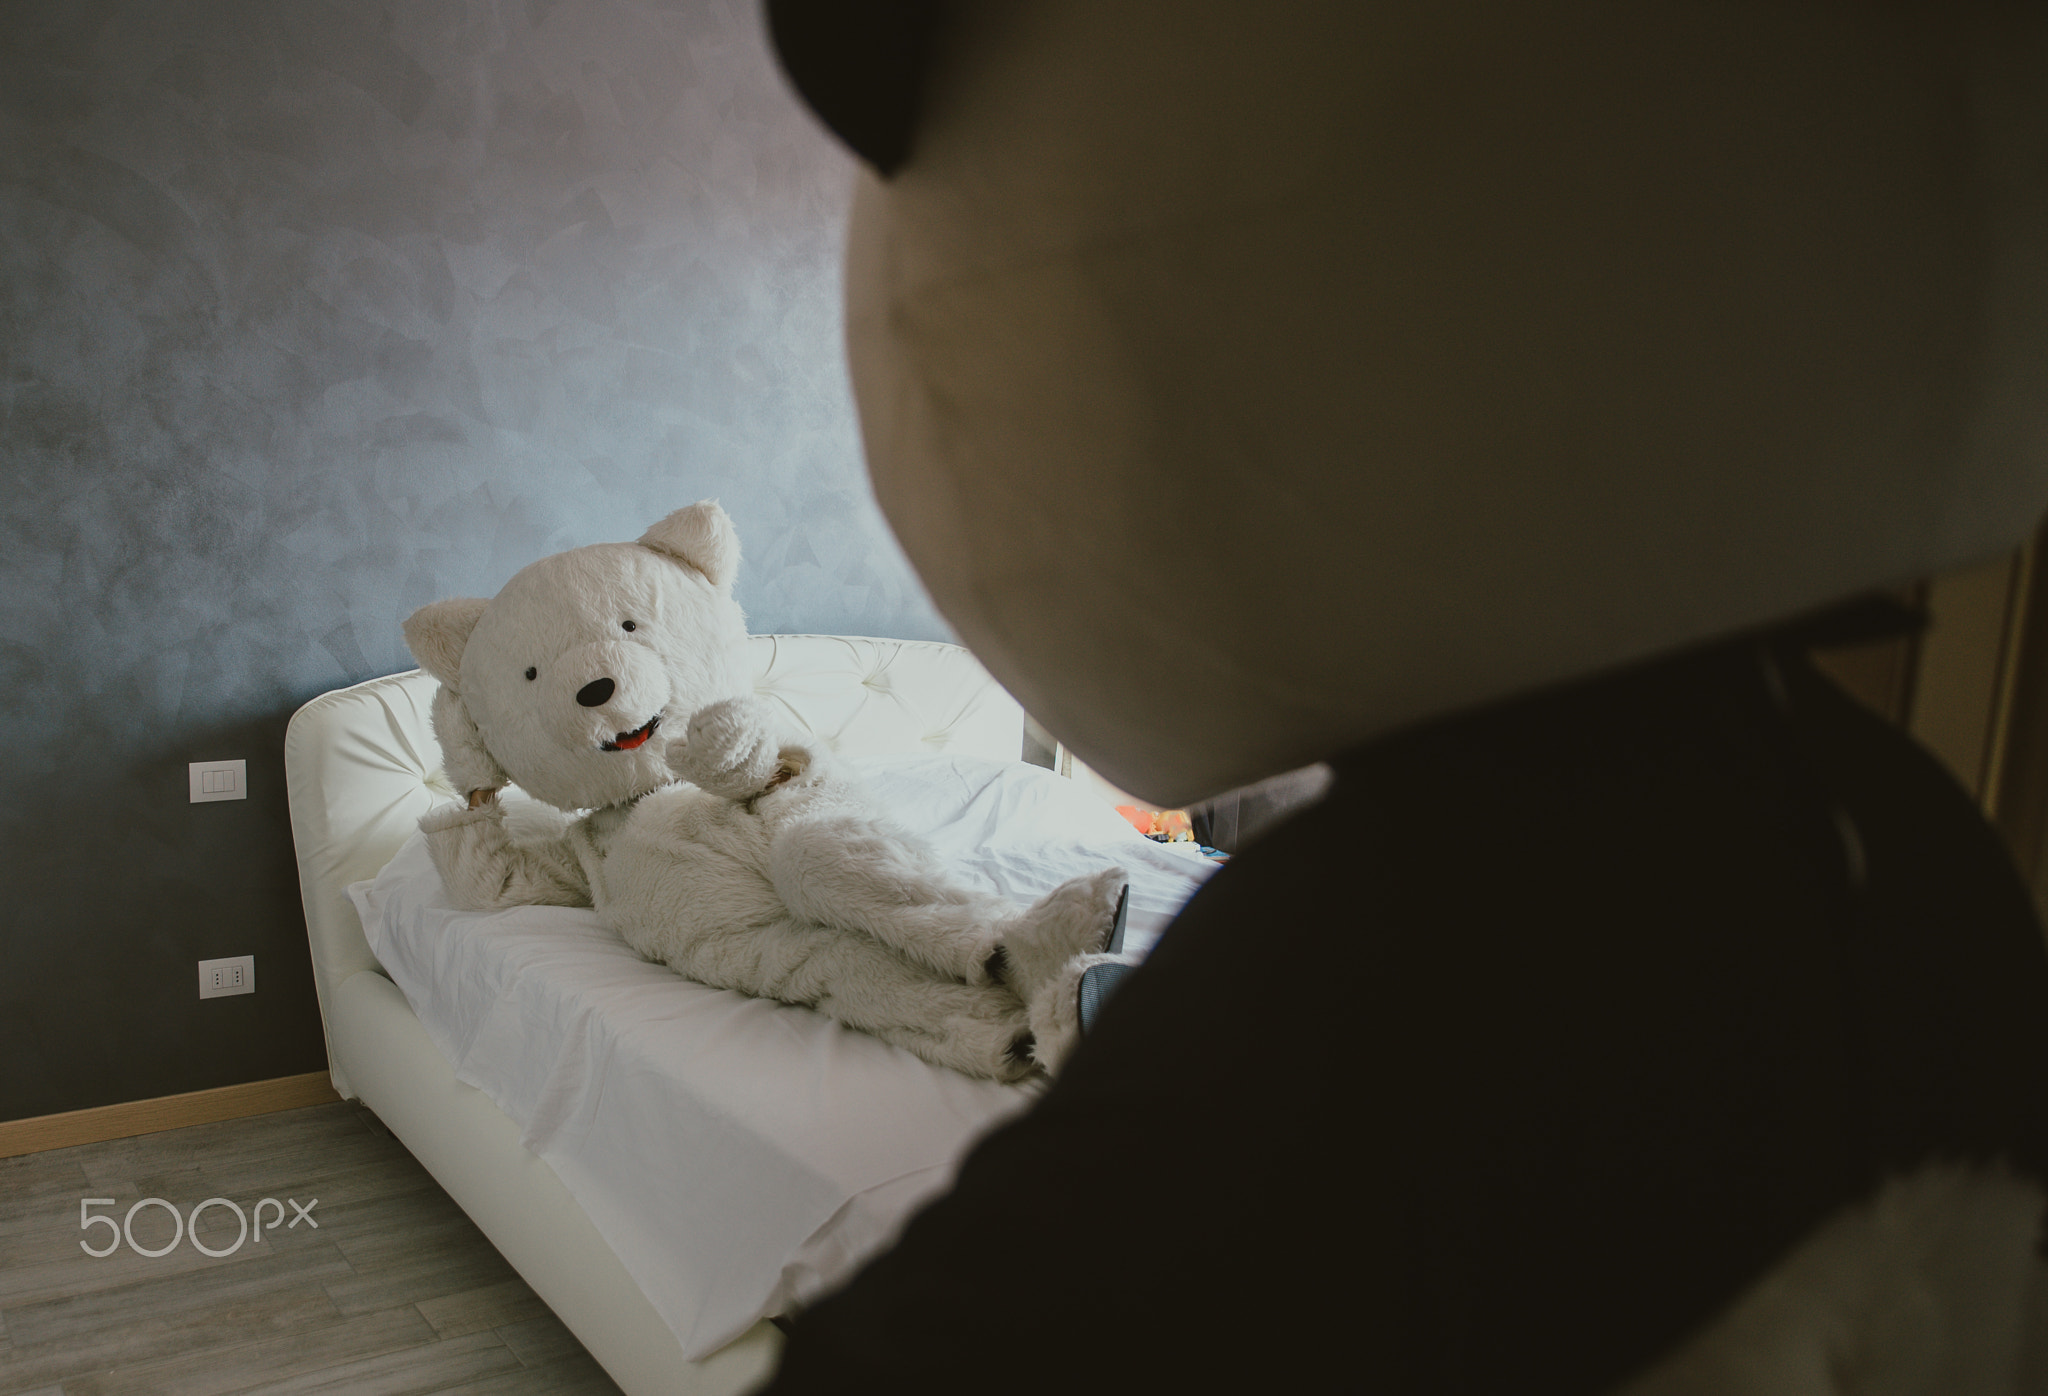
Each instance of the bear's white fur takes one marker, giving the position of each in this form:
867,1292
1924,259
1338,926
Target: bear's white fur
612,679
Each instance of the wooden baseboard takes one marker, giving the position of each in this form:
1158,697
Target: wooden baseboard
40,1132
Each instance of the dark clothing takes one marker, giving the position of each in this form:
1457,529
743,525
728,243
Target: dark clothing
1504,1069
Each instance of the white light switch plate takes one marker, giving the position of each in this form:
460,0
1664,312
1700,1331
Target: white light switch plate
219,780
234,975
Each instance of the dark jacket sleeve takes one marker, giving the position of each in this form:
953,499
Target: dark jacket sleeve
1553,1029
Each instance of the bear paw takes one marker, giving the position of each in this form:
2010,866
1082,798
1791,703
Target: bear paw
996,1043
728,750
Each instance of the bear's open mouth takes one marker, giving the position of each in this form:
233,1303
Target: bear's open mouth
626,741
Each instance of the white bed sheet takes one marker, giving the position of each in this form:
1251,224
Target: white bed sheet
740,1156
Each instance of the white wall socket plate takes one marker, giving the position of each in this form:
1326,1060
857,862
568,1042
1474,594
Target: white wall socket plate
234,975
219,780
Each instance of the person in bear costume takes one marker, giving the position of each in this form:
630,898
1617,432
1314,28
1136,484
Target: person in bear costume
1521,392
610,681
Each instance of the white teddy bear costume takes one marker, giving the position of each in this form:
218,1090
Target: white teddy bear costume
611,679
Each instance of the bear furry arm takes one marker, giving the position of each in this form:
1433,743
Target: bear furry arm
484,870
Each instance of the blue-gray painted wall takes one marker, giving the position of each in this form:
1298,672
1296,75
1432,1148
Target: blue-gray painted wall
315,310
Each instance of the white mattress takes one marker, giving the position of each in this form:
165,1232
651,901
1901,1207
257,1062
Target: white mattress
740,1156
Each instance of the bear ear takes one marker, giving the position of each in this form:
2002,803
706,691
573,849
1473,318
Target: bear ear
438,633
701,536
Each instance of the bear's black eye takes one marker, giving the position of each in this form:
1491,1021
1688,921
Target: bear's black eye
532,673
629,625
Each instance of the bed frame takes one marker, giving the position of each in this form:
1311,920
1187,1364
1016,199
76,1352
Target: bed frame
362,765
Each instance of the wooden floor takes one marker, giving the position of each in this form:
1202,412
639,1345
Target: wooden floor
395,1293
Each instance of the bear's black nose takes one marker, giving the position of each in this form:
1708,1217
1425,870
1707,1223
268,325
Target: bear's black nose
595,692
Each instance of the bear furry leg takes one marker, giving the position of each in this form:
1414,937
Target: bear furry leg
980,1030
856,872
485,870
985,1033
1055,1013
1075,918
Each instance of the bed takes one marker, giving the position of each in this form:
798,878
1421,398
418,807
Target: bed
669,1166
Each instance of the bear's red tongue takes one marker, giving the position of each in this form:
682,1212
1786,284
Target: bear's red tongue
626,741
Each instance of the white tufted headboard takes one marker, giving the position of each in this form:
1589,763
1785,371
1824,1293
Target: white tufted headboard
362,765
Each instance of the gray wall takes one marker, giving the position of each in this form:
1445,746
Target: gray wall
315,310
